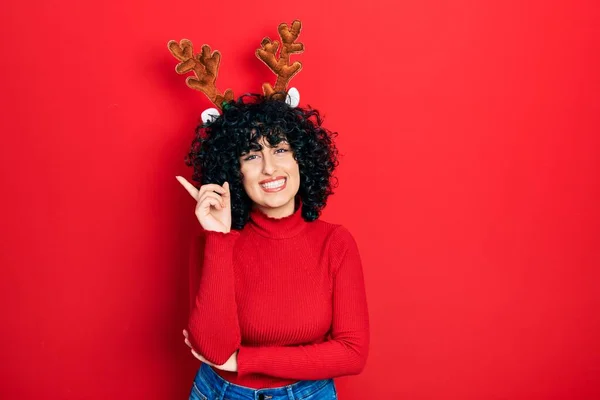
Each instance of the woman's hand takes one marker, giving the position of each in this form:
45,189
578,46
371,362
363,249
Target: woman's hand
230,365
212,210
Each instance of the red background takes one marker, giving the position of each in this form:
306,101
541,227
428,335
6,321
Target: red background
470,135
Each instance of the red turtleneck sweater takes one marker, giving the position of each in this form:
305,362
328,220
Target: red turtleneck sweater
288,294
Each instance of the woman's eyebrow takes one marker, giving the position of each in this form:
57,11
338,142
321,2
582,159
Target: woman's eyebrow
261,147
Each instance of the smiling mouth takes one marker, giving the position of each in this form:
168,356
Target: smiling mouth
273,186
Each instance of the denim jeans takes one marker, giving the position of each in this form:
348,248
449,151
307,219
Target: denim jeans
210,386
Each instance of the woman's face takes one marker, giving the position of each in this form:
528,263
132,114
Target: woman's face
271,178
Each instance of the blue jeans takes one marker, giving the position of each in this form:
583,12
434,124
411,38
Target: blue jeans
210,386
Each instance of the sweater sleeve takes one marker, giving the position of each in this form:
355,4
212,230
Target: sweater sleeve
213,326
345,353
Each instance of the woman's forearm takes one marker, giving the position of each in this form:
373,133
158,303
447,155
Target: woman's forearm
213,321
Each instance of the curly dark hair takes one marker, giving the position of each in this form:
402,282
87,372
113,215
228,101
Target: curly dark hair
217,146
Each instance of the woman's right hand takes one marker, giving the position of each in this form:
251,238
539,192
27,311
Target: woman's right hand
212,210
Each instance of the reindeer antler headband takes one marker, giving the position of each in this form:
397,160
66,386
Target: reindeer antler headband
205,66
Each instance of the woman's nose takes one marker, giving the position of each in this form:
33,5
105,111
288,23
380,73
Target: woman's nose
268,165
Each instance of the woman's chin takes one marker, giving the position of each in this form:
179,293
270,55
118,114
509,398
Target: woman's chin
274,201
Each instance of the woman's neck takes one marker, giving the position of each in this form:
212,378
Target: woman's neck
278,212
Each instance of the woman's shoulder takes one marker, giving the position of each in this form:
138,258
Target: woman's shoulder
340,245
336,233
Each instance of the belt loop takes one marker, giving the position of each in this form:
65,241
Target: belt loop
290,393
223,390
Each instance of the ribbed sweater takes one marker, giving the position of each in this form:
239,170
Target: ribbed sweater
288,294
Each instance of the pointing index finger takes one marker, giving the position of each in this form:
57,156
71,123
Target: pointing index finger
188,186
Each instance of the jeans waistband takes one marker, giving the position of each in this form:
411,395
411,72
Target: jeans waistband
219,386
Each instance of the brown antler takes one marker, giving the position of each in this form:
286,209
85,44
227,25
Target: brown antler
205,66
285,72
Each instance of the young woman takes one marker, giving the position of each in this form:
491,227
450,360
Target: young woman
279,309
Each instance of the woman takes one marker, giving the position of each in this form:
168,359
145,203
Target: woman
280,308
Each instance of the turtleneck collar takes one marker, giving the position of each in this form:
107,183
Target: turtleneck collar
278,228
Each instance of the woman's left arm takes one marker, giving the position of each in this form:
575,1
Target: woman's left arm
346,352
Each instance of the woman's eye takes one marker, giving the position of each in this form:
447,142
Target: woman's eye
279,151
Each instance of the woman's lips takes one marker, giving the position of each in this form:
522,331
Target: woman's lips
275,189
